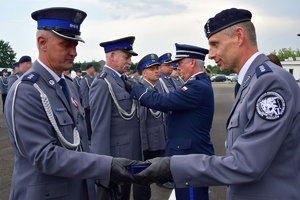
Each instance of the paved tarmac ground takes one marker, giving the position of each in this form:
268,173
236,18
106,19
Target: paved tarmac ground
223,102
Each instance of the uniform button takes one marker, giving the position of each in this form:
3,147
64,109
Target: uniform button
46,194
178,147
171,112
65,121
186,183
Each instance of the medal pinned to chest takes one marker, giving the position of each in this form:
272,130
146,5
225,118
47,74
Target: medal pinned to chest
75,103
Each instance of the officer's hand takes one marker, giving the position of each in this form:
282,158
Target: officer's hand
158,172
119,173
129,84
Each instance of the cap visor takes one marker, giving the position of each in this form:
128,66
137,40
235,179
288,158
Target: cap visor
76,37
167,62
130,52
151,65
177,59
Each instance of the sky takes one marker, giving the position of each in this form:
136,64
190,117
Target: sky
156,24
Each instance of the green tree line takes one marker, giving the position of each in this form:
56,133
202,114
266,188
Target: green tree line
8,58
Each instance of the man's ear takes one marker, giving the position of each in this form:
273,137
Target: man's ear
240,34
42,42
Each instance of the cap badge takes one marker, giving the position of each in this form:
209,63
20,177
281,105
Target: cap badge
207,27
51,82
78,17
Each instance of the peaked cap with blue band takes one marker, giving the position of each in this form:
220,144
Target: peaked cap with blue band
148,61
165,58
123,44
4,70
189,51
78,70
88,66
25,59
225,19
64,22
175,65
15,65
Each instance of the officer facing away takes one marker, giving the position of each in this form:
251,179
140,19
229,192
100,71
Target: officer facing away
3,86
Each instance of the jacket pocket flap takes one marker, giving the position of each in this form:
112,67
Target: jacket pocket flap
47,190
118,140
63,118
234,121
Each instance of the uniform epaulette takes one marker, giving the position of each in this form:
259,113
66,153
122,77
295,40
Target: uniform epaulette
31,77
102,75
262,69
69,78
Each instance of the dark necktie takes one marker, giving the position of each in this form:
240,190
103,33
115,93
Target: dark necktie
62,83
124,78
236,88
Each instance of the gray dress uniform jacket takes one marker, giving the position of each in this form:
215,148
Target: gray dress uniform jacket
112,134
263,141
3,84
47,170
152,126
12,78
85,85
166,83
177,82
76,82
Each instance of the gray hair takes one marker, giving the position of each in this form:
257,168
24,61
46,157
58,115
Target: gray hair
199,63
249,30
44,33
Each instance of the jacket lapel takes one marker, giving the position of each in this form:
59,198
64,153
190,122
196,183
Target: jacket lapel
247,79
48,78
119,81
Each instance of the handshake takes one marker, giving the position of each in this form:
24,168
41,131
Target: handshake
157,172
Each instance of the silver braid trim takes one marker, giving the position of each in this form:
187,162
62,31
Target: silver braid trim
156,114
13,119
122,112
65,143
164,85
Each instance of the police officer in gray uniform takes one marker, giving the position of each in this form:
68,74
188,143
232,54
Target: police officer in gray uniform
85,86
46,122
114,119
175,77
165,68
3,86
262,141
15,68
76,82
24,65
151,121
